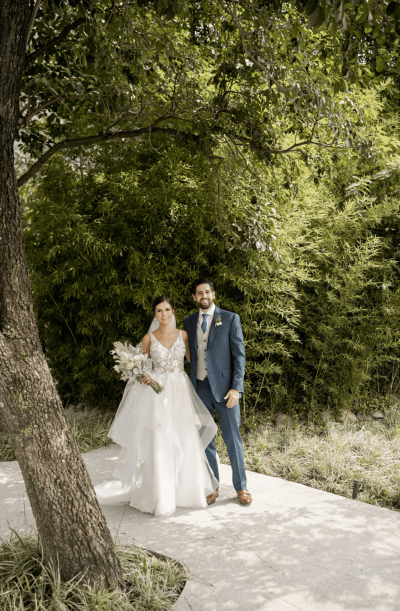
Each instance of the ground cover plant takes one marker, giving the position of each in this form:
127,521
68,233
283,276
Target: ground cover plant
89,435
331,456
153,582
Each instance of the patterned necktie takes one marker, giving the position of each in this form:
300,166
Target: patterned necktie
204,323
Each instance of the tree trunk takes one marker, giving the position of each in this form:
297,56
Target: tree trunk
71,525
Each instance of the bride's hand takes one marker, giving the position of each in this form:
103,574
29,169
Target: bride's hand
146,379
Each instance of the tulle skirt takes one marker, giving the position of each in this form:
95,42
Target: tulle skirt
163,437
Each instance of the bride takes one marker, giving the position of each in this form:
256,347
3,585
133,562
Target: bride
163,436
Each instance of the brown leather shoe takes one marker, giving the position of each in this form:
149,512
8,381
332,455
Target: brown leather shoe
244,497
211,498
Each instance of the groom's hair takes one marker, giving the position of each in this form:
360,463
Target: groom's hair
202,281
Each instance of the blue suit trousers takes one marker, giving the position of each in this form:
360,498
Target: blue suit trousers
229,419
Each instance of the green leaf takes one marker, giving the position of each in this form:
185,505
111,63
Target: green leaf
376,31
391,7
317,18
311,7
397,65
380,64
334,27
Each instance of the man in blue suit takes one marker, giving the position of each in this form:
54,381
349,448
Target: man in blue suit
217,363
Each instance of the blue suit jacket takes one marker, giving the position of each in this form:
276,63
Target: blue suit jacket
225,352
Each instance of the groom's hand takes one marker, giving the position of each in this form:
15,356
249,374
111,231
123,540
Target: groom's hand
233,397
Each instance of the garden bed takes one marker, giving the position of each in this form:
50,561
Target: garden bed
330,457
153,582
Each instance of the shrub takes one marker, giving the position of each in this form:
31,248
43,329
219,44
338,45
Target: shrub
314,281
102,243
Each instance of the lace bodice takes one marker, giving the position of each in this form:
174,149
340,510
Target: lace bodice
167,361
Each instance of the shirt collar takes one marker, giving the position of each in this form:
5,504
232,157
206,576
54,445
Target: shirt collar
210,312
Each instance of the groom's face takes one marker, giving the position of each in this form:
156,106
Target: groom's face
204,296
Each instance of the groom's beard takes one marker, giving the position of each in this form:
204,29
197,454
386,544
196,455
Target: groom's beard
205,304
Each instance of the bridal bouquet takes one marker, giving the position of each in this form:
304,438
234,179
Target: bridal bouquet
132,363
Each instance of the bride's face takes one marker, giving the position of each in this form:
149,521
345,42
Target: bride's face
164,313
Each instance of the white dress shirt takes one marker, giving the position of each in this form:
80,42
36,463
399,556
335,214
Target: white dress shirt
202,342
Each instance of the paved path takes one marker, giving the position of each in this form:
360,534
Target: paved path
294,548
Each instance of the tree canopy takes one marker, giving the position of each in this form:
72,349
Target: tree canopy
261,76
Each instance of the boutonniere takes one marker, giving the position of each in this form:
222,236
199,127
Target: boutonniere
218,321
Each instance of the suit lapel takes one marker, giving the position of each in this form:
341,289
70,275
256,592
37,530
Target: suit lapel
212,330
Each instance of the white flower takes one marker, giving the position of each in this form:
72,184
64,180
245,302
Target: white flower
137,358
129,365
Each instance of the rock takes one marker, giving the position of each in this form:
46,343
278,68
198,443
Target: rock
261,429
362,416
93,413
326,416
347,416
377,415
76,412
351,417
283,420
69,411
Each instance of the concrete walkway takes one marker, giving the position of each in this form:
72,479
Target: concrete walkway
294,548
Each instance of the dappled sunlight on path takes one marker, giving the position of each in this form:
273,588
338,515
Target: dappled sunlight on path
293,548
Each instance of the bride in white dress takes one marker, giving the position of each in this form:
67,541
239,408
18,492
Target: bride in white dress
163,436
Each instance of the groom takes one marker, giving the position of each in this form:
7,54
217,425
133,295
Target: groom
217,362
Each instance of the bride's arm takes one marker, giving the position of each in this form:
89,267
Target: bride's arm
146,341
185,338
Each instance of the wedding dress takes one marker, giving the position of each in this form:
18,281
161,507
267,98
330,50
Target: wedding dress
163,438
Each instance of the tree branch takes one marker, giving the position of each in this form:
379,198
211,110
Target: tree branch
32,20
65,144
239,26
56,41
152,129
46,104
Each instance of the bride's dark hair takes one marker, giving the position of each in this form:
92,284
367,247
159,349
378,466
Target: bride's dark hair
161,299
